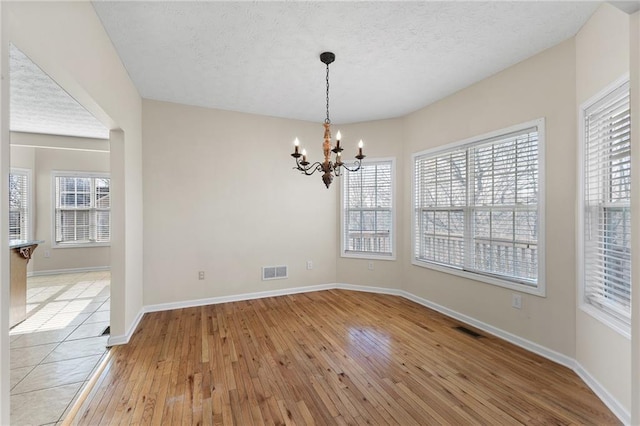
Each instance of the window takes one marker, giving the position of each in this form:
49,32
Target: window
605,213
367,210
476,208
19,204
82,213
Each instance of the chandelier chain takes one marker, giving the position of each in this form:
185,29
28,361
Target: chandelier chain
327,120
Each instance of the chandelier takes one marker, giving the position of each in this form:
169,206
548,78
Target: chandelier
328,168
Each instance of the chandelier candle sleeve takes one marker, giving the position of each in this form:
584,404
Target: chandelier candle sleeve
328,168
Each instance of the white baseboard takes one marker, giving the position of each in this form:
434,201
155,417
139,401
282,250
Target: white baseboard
611,402
124,339
512,338
505,335
614,405
369,289
236,298
68,271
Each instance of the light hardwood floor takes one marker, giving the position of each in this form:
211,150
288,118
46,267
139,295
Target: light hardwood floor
330,357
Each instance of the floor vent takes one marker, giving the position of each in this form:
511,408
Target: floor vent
274,272
465,330
107,331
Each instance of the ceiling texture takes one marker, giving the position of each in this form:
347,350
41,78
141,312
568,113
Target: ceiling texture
39,105
392,58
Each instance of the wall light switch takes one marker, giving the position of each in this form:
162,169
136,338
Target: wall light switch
47,253
201,275
309,264
370,265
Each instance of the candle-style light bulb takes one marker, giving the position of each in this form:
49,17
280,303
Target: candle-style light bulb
360,146
338,159
338,136
304,155
296,144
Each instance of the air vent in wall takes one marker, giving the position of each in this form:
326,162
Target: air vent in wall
274,272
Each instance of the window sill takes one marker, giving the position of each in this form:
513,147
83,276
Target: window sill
79,245
610,321
539,290
367,256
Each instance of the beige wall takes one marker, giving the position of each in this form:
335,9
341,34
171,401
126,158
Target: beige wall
602,56
43,154
221,197
383,139
23,158
43,162
542,86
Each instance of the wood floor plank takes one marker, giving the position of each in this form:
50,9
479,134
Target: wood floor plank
332,357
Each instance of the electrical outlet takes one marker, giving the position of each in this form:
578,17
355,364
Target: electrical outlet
309,264
47,253
370,265
516,301
201,275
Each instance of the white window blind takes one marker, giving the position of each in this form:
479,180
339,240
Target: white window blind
19,205
476,207
441,201
83,214
606,203
368,210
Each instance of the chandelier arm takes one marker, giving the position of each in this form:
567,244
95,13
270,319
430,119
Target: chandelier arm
358,164
299,164
309,169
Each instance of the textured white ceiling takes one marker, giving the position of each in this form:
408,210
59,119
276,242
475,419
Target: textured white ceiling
39,105
392,58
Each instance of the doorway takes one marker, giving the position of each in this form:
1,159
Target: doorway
65,209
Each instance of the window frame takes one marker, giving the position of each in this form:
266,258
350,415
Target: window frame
343,222
77,174
540,287
592,310
29,208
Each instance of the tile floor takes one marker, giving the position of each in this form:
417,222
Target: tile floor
56,349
